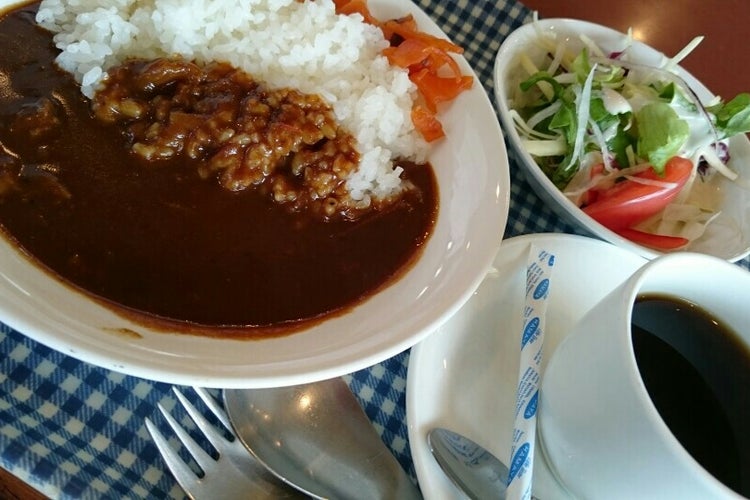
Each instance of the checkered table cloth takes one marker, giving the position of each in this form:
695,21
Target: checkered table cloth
74,430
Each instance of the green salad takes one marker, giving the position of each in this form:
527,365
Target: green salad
630,144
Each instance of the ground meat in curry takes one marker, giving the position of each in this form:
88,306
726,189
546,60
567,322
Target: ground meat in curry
279,141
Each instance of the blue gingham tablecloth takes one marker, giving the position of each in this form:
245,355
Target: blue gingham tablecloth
74,430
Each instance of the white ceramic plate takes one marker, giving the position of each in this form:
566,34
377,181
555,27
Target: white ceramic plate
472,172
463,376
728,237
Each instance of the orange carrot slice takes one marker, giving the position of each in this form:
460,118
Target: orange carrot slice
426,123
348,7
436,89
431,67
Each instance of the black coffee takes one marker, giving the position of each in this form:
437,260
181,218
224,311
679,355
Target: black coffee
697,373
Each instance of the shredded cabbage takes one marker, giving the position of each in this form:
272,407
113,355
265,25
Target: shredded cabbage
583,102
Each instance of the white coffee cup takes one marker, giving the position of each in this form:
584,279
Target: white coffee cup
598,428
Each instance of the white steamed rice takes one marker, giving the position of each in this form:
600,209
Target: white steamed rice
285,43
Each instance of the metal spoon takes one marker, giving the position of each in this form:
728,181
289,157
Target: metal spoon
316,438
474,470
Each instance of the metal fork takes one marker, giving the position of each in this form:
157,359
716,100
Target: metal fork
234,474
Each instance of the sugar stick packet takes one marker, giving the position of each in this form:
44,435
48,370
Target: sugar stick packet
538,272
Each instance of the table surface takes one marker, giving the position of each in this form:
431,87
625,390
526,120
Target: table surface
73,430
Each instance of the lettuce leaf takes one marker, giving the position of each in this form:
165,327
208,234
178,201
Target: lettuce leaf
542,76
734,117
661,133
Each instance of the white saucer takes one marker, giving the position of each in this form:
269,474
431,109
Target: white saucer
463,376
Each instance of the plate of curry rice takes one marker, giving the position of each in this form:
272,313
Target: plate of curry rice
202,194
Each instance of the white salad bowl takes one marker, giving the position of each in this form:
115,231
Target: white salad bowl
471,168
727,237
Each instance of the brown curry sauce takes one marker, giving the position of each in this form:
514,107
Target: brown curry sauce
163,244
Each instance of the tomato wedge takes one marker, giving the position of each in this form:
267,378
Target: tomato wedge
651,240
629,202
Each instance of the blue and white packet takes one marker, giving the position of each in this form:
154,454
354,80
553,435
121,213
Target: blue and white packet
538,272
